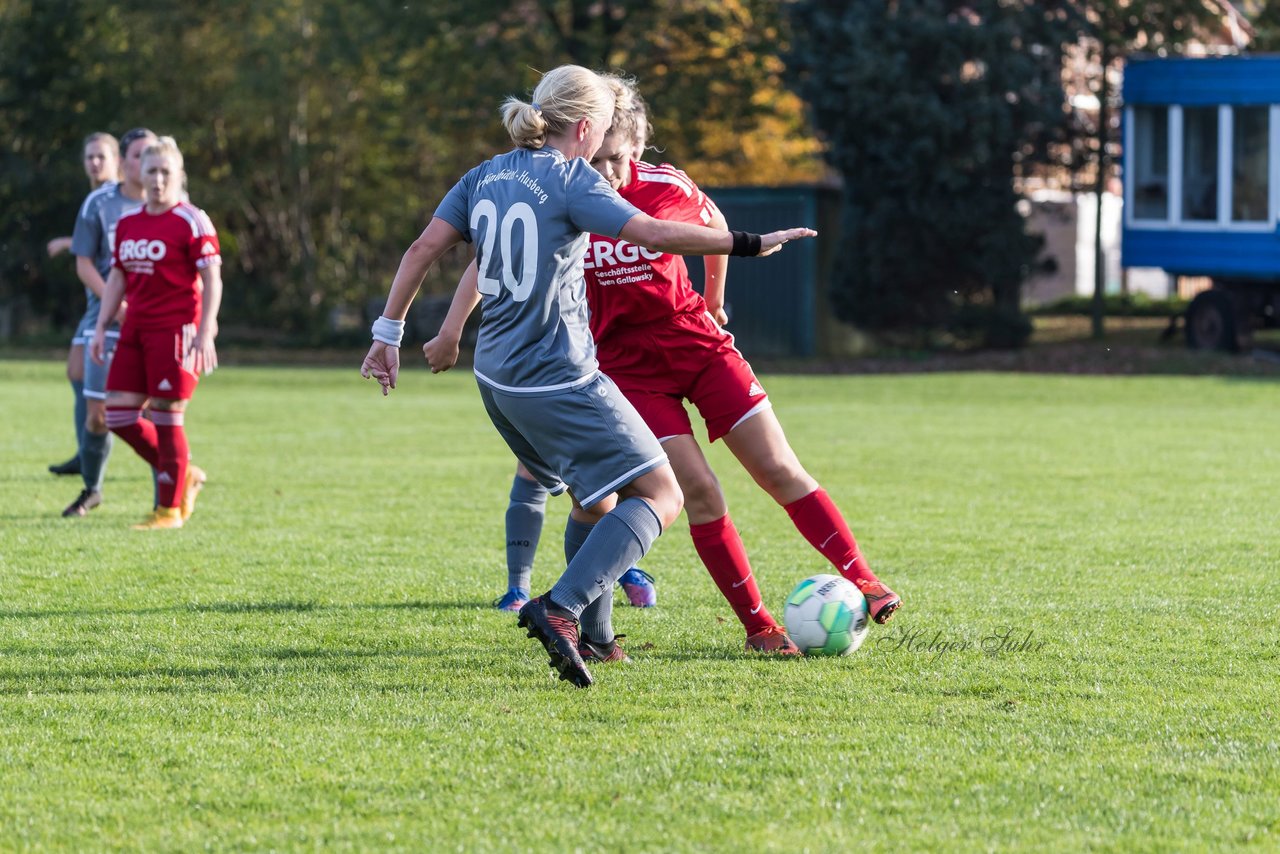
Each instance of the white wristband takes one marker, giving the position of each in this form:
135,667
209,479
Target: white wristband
388,331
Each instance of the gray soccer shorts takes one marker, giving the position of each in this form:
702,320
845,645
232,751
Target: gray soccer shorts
95,375
589,438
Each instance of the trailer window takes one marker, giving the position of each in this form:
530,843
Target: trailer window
1151,163
1249,166
1200,163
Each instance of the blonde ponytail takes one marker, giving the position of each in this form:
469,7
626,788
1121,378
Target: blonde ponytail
563,97
525,123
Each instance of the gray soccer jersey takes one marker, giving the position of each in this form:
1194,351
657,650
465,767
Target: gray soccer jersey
529,214
95,234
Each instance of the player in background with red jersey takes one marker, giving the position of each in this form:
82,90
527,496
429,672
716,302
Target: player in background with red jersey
168,267
662,342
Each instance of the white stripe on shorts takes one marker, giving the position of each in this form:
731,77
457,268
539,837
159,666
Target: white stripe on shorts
538,388
626,478
755,410
88,339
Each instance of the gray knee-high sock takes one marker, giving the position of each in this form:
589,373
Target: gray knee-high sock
525,515
95,448
81,412
617,542
597,617
575,534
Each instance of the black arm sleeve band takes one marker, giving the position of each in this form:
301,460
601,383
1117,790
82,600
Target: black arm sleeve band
745,243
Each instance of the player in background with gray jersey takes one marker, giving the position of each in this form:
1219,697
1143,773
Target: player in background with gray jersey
528,212
101,166
93,243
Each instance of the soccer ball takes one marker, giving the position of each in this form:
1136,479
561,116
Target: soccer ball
826,615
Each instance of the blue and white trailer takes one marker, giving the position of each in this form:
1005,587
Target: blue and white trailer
1202,186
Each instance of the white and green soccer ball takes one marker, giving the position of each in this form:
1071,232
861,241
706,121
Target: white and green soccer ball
826,615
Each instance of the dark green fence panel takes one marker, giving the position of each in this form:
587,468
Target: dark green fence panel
773,302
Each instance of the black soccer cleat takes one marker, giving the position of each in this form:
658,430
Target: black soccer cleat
85,501
558,632
71,466
605,653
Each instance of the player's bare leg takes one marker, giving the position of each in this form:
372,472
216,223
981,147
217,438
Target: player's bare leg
761,446
720,547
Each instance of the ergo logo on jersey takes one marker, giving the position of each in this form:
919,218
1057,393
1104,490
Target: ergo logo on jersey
602,253
142,250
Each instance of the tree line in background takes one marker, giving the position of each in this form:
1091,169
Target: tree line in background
932,109
936,113
319,134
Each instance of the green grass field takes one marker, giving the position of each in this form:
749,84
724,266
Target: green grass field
312,662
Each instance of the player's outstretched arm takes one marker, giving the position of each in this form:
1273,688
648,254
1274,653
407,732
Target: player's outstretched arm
442,351
680,238
57,246
383,360
772,242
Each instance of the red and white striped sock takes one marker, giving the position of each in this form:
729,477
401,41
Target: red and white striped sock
127,423
172,467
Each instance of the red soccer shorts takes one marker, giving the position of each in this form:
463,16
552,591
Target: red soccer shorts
686,356
154,362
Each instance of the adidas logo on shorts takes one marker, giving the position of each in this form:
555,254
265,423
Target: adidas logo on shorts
165,385
755,390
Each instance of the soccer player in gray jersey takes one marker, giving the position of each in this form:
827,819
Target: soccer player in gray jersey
528,212
93,242
101,166
526,511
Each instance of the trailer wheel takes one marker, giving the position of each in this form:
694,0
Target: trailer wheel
1211,322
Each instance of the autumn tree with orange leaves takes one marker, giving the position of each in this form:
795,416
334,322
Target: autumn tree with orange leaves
319,134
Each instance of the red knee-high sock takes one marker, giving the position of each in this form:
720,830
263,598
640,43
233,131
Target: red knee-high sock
818,519
172,469
725,557
128,423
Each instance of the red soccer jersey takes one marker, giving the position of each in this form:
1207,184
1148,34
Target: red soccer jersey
161,256
630,286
